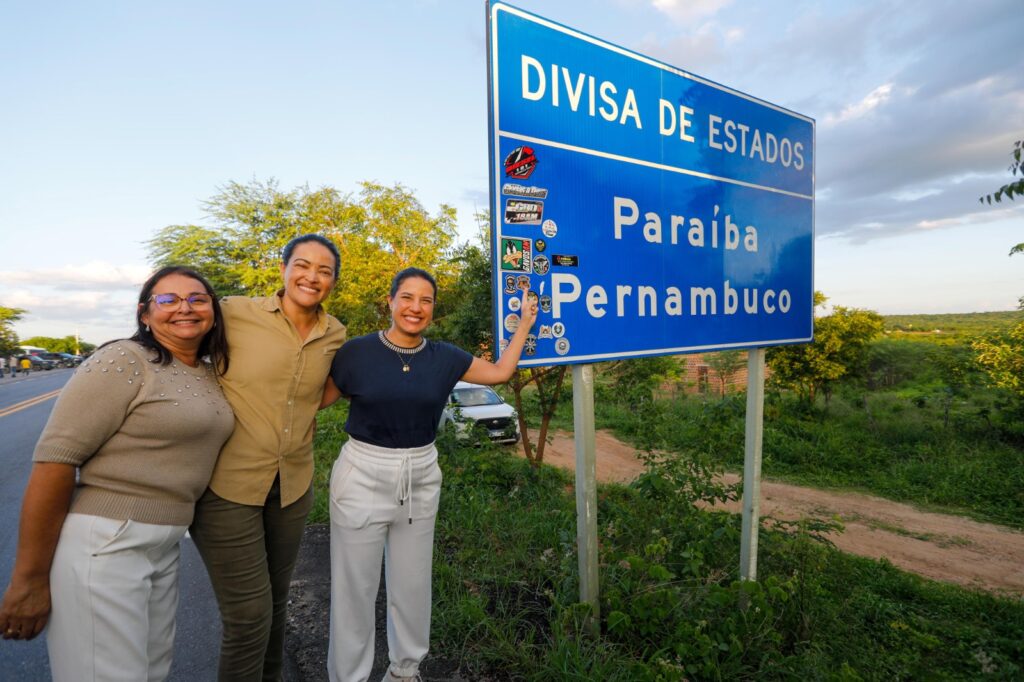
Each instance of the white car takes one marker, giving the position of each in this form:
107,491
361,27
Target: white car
472,407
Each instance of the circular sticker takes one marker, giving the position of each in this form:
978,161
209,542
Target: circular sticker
511,322
531,296
522,282
514,303
562,346
549,228
502,345
540,245
530,345
557,329
541,265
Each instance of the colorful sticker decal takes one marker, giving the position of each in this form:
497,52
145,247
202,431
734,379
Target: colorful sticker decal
544,332
510,284
502,345
511,322
514,303
514,190
562,346
558,330
545,303
563,261
516,254
540,245
522,283
521,163
523,211
549,228
541,265
530,345
531,296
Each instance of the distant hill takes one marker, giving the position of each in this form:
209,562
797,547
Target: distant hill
954,324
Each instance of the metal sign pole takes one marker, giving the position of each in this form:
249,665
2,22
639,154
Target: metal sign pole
586,487
752,464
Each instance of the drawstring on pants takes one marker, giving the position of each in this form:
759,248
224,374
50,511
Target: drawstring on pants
403,486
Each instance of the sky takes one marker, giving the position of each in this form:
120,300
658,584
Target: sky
120,118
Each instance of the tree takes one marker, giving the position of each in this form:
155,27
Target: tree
68,344
1002,357
838,349
726,363
379,232
8,337
1012,189
549,381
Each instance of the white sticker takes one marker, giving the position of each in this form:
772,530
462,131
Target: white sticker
558,330
549,228
562,346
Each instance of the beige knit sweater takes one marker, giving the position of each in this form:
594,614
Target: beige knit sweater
145,436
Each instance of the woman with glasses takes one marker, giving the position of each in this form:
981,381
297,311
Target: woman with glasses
386,484
249,524
140,425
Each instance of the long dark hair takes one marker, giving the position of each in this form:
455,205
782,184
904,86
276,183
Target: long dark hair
214,344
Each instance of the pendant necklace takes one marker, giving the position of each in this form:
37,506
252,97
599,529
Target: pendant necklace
401,352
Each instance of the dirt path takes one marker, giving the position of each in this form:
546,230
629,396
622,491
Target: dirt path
938,546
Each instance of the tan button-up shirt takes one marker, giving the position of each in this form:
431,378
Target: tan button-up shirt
274,384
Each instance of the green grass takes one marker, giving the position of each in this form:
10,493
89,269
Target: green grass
505,591
672,608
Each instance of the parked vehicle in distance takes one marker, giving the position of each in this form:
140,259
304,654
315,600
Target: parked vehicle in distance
476,411
38,362
60,359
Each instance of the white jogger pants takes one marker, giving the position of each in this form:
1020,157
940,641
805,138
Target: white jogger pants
114,591
383,500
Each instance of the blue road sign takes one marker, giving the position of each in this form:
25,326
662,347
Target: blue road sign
652,211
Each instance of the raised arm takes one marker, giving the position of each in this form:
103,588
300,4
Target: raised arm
26,603
483,372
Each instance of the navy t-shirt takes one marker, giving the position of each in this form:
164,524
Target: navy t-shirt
389,407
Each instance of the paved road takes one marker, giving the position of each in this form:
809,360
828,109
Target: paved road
25,404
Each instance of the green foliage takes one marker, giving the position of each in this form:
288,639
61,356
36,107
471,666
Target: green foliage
379,232
8,338
68,344
463,315
506,592
941,327
636,379
1013,189
838,349
726,364
1002,356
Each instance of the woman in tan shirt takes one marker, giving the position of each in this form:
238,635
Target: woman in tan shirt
141,424
249,524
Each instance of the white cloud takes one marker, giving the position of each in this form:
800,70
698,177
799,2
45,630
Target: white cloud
95,275
687,11
872,101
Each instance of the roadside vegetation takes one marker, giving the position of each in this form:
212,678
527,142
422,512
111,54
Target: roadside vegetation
672,607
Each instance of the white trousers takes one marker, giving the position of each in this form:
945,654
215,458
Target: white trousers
114,590
383,500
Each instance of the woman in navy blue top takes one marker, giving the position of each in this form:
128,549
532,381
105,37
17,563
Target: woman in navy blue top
385,484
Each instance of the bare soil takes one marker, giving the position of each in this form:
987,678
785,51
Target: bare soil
942,547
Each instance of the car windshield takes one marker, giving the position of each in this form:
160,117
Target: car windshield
470,397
